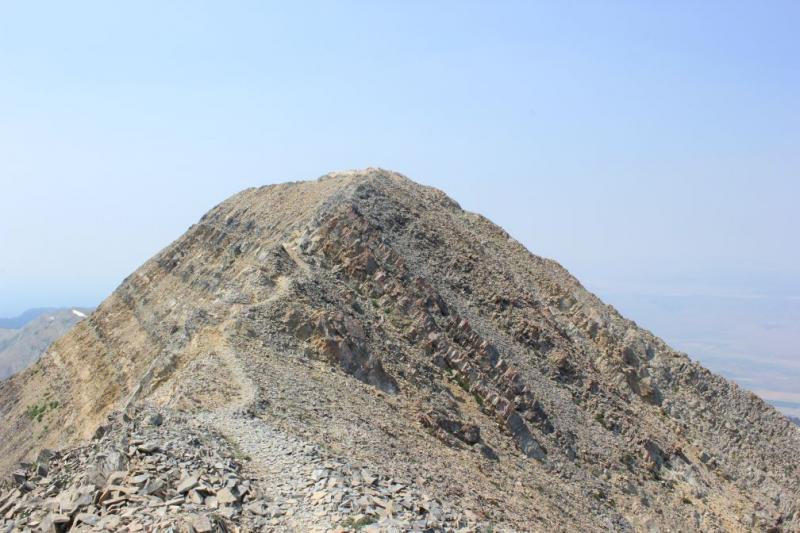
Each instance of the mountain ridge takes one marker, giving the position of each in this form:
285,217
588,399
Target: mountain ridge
23,318
372,316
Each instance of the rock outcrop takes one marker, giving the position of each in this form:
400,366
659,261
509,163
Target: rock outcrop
369,324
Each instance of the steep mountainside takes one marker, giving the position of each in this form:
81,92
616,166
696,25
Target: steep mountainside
372,320
19,348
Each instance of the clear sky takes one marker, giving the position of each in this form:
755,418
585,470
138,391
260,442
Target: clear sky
650,147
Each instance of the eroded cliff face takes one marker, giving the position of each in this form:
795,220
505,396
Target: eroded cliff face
373,317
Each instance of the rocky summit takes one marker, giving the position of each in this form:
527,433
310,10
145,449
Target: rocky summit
359,353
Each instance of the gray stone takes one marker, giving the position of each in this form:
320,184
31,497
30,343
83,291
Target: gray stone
227,496
149,447
203,525
257,508
186,484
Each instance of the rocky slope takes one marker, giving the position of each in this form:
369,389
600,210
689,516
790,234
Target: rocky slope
21,347
370,321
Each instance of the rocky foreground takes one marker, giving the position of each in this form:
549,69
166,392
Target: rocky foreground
359,352
150,470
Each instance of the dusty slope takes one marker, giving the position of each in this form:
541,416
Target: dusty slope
374,318
19,348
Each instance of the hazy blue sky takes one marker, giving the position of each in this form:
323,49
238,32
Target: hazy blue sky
648,146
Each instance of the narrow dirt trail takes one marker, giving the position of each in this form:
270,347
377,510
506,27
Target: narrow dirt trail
286,470
302,487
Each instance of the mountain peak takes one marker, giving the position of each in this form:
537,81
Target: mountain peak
364,174
372,319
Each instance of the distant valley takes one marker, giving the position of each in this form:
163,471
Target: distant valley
746,329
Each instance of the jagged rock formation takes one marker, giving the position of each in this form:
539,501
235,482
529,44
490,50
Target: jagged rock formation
38,329
372,318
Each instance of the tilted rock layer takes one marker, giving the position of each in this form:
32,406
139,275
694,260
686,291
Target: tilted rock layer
374,319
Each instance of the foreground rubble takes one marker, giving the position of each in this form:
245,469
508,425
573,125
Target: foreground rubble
151,470
140,473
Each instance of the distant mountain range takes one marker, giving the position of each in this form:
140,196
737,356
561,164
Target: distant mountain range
25,338
19,322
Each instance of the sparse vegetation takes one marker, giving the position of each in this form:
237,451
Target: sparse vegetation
478,399
462,383
238,454
357,523
37,411
628,459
